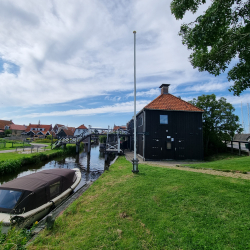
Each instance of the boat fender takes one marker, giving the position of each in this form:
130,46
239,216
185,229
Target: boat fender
72,190
53,205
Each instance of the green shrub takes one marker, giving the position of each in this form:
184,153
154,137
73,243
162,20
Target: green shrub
15,238
103,138
49,137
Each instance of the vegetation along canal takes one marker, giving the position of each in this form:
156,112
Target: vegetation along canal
91,165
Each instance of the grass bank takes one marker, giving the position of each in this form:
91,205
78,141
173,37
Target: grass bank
12,162
233,163
158,208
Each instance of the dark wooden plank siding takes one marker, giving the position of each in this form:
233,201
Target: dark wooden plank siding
140,132
181,138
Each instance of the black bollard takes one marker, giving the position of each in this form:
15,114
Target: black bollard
50,221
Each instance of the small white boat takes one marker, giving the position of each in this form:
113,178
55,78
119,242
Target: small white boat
27,199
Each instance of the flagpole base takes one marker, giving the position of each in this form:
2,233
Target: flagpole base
135,169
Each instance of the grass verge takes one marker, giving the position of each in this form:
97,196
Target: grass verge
240,163
10,145
158,208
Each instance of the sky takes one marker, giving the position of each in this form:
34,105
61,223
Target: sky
72,62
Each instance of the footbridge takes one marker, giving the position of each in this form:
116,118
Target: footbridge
112,144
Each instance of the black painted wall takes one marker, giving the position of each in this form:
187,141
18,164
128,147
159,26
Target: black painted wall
180,139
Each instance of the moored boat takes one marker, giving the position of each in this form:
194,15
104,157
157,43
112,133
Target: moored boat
29,198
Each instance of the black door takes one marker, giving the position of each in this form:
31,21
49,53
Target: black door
156,149
180,149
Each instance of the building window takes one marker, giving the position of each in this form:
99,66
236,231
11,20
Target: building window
169,145
163,119
54,189
139,122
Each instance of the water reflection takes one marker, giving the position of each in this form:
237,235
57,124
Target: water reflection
91,165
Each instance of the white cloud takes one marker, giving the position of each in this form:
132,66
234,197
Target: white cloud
237,100
208,87
68,51
151,92
114,99
125,107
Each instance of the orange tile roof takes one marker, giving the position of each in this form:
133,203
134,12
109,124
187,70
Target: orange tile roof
46,127
71,129
17,127
171,102
4,123
68,132
83,127
119,127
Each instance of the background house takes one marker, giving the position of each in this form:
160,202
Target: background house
57,126
80,130
120,128
168,128
66,133
16,130
242,137
38,130
4,123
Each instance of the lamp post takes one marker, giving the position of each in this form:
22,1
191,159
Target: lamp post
135,160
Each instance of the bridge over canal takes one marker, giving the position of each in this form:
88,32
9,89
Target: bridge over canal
112,143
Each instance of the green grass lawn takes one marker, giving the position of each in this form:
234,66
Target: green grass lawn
240,163
16,155
158,208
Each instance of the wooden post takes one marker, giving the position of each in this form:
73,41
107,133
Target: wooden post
231,146
239,148
119,145
88,162
89,143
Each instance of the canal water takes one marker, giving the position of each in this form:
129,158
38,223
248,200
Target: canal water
92,165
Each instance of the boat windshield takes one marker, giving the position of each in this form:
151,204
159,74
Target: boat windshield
9,198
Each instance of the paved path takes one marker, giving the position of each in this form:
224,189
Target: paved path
174,165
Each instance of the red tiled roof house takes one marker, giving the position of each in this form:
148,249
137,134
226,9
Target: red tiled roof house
80,130
168,128
17,130
38,129
67,132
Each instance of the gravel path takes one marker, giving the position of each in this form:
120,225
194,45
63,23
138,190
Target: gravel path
174,165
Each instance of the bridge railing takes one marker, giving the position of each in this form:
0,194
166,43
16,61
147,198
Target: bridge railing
85,134
77,139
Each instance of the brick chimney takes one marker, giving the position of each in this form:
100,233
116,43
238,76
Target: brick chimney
164,88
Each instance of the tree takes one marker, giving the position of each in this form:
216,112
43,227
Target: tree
218,37
219,121
7,132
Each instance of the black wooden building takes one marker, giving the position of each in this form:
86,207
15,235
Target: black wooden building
168,128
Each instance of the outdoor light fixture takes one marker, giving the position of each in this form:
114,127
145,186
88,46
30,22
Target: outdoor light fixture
135,161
